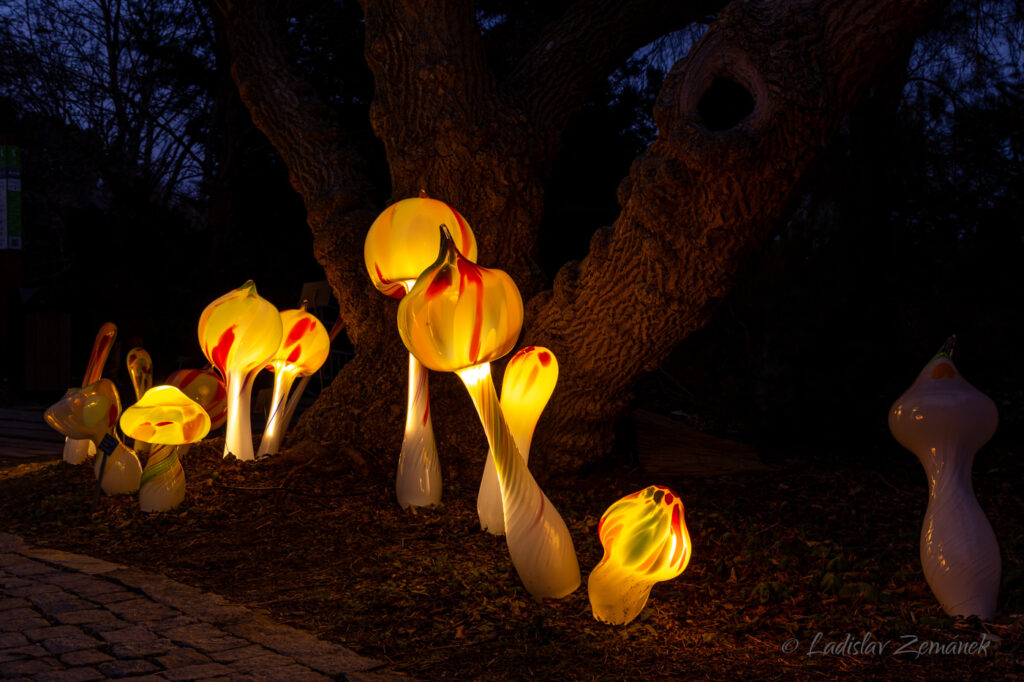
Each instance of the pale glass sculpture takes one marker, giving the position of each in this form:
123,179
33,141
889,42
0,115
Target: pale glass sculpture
303,350
76,450
140,371
645,541
401,244
944,421
240,333
170,420
206,388
458,318
526,387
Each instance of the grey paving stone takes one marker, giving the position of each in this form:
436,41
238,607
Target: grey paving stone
52,603
85,657
129,635
204,637
179,657
142,649
75,562
72,675
32,666
376,676
23,567
262,662
18,614
142,610
7,604
125,668
241,653
8,582
12,639
63,645
10,542
22,624
52,631
198,672
114,595
30,651
324,657
81,584
169,623
31,589
291,673
94,618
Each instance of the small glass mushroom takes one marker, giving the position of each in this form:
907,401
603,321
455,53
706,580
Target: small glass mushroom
303,350
206,388
401,244
645,541
77,451
140,371
529,381
458,318
91,412
240,333
169,420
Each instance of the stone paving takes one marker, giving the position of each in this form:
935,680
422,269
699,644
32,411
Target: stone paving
70,618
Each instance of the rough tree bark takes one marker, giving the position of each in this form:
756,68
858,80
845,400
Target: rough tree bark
740,121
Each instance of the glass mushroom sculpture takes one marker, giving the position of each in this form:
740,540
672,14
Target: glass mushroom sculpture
206,388
169,420
304,348
77,451
140,371
645,541
944,421
458,318
529,381
240,333
401,244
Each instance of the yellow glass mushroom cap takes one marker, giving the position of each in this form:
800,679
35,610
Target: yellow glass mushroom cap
240,330
402,242
166,416
460,314
86,412
304,343
645,541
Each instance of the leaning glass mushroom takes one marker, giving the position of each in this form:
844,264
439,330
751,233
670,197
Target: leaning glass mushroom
529,381
240,333
459,317
400,245
91,413
140,371
76,451
645,541
303,350
168,420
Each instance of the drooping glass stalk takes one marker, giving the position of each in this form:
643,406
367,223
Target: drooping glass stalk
645,541
300,388
458,318
401,244
77,450
169,420
239,333
529,381
140,371
303,350
538,540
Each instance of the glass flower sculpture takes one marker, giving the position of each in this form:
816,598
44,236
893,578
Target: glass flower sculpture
91,413
206,388
645,541
303,350
401,244
458,318
140,371
76,450
240,333
293,401
529,381
944,421
169,420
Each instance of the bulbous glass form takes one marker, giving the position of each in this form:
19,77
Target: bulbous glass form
206,388
140,370
460,314
240,331
402,242
645,541
87,412
166,416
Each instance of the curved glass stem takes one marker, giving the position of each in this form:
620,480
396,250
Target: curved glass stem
418,481
238,438
278,422
538,540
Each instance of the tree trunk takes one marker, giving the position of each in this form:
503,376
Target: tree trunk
740,121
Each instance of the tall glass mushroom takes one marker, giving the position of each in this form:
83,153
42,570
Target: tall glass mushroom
459,317
76,450
529,381
304,348
169,420
401,244
239,333
645,541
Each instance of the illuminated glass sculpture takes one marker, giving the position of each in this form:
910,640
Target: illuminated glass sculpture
944,421
303,350
140,371
645,541
91,413
529,381
240,333
206,388
293,401
169,420
77,451
401,244
458,318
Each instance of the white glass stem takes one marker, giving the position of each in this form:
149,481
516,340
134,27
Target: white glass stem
77,450
238,439
538,539
278,422
418,481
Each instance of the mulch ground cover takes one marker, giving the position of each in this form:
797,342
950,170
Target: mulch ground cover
808,571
